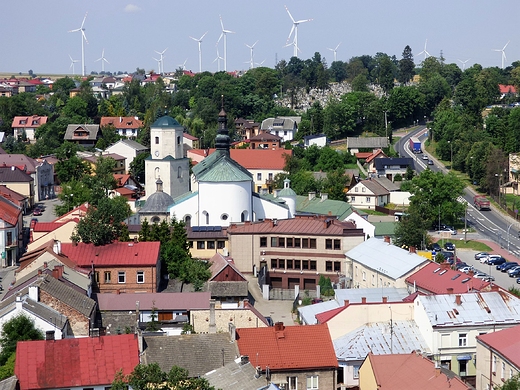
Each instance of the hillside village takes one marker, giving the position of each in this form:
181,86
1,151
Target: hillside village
298,290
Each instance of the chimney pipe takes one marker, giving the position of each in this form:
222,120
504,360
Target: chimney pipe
412,249
387,239
450,290
49,335
346,302
212,323
385,299
458,299
364,300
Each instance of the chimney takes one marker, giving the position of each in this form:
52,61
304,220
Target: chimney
324,196
346,302
212,324
385,299
45,265
312,195
120,119
232,331
387,239
274,222
278,327
57,272
458,299
450,290
49,335
412,249
363,300
56,248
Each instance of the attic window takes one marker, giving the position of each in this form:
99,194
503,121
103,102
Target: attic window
443,272
455,277
466,280
437,270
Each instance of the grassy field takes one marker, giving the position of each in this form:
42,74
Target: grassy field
474,245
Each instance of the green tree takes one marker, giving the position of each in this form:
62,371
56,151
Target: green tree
19,328
406,66
512,383
411,230
7,369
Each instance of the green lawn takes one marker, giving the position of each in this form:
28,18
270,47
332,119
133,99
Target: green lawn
372,212
474,245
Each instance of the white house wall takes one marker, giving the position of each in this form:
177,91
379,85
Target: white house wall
362,223
264,209
400,198
44,326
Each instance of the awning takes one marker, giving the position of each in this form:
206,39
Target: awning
464,357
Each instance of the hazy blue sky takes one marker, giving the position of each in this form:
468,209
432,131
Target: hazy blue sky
33,33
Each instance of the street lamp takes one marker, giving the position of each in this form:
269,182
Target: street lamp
508,239
451,155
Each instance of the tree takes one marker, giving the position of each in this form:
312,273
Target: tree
137,167
411,230
406,66
19,328
512,383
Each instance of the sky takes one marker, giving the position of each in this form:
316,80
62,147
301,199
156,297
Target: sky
34,33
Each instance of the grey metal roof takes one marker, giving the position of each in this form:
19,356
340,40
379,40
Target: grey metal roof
228,289
367,142
9,383
133,144
386,183
484,308
158,202
67,295
92,130
383,162
380,338
385,258
197,353
235,376
308,313
45,312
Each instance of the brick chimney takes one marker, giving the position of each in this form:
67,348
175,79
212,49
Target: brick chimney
212,323
363,300
278,327
450,290
385,299
346,302
387,239
57,272
458,300
412,249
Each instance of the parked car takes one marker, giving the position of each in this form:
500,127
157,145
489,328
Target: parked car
496,261
436,247
37,211
460,265
489,278
508,265
466,269
449,229
480,255
480,275
449,246
518,280
514,272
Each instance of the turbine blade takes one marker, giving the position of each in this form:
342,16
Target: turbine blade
84,36
221,23
303,21
337,46
78,29
292,30
287,9
506,45
219,38
254,44
203,36
195,39
85,18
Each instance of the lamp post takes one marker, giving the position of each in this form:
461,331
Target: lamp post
386,125
508,239
451,155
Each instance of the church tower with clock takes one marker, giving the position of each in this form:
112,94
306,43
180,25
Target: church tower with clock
167,161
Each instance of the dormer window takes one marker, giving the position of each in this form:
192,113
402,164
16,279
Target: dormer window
35,122
23,122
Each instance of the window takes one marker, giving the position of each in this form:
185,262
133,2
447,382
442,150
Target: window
305,242
107,276
356,189
190,244
363,189
494,364
258,176
356,371
157,140
281,242
121,277
337,266
200,245
352,198
140,276
305,264
297,264
328,266
96,277
224,217
221,244
289,242
337,244
263,242
313,243
292,383
178,140
373,280
313,265
210,245
312,382
364,276
274,263
368,199
289,264
179,172
503,370
328,243
274,241
270,176
281,263
463,339
297,243
463,364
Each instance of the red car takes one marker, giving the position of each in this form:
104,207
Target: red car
37,211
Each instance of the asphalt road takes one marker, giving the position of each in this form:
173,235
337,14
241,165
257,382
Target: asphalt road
492,224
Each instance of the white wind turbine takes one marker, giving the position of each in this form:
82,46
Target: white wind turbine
72,62
83,40
251,62
294,29
158,64
463,64
161,53
224,34
425,52
503,53
259,63
218,58
199,41
103,60
334,51
183,65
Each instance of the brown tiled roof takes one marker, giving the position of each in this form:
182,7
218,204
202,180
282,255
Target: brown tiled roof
312,225
162,301
30,121
121,122
376,188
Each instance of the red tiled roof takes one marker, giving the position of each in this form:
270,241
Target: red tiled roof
94,159
121,179
290,347
363,155
121,122
9,212
47,226
313,225
124,191
75,362
115,254
254,158
378,152
410,371
445,278
40,120
506,88
327,315
190,137
506,342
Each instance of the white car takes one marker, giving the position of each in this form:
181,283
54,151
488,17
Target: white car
466,269
480,275
425,157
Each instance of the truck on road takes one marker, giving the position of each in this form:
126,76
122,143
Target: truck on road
415,145
481,202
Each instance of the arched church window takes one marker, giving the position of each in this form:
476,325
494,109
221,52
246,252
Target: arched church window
156,219
187,220
206,214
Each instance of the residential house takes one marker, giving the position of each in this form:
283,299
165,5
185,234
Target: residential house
265,140
75,363
376,263
441,279
319,140
83,135
19,181
282,126
293,252
507,91
354,144
377,338
189,142
406,372
125,267
119,167
370,160
292,357
125,126
5,90
367,194
397,197
127,148
27,125
392,166
197,353
43,232
127,186
206,241
497,358
246,128
11,238
227,285
120,312
18,199
239,374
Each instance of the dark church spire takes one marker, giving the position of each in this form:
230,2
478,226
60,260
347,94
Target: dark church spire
222,139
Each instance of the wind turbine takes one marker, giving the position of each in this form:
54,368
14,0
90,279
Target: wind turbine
425,52
334,51
103,60
158,64
296,48
72,62
83,40
260,63
199,41
251,63
294,29
224,34
183,65
161,53
503,53
463,64
218,59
